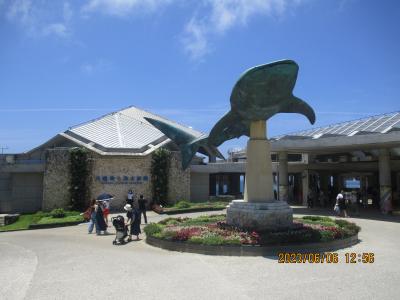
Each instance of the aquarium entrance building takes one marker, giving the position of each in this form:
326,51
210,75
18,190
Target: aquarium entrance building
120,145
361,157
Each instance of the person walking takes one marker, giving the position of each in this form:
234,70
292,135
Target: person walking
92,220
133,222
142,207
341,202
101,225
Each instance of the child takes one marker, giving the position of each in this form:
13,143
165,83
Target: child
106,210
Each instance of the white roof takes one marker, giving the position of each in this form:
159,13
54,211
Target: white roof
371,125
123,131
375,131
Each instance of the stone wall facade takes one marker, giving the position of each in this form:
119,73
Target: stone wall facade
114,175
56,190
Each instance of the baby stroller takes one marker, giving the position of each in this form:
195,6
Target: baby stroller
121,230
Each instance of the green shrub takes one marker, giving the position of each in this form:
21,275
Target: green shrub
212,239
323,223
57,213
327,236
233,241
79,169
204,220
160,165
196,240
318,218
168,234
348,228
153,228
42,214
183,204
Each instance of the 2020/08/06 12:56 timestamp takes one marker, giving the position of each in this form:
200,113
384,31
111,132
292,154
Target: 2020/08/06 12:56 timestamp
327,257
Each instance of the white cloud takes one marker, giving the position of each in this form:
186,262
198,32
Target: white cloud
40,19
211,18
52,109
95,67
22,12
195,40
67,12
58,29
122,7
222,15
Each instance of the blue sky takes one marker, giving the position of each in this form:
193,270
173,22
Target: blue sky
66,62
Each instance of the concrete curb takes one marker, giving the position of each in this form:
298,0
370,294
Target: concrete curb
54,225
252,250
45,226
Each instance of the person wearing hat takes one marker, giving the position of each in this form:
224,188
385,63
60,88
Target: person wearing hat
133,216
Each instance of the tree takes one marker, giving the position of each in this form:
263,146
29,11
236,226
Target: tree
159,175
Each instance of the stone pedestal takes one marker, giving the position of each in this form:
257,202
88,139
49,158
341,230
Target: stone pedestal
259,215
259,210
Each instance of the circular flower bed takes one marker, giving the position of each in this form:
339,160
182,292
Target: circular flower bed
213,230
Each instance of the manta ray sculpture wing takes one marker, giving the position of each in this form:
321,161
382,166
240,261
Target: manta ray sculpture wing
260,93
188,143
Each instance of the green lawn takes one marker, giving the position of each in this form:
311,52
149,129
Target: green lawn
24,221
186,206
67,219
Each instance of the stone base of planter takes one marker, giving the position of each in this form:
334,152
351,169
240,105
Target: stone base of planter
245,250
7,219
259,216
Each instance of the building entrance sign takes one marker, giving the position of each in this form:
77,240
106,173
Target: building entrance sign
122,179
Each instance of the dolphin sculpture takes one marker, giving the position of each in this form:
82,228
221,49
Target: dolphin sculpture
260,93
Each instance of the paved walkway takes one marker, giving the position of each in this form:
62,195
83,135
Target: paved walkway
67,263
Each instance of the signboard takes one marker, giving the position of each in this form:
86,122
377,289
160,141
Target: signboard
352,184
122,179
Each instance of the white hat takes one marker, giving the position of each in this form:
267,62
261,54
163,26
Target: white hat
128,207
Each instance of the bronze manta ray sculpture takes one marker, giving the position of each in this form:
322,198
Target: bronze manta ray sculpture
260,93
